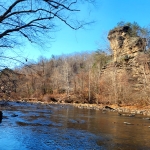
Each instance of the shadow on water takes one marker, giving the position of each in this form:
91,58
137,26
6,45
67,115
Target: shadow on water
64,127
1,116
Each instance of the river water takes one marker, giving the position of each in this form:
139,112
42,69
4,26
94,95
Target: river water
27,126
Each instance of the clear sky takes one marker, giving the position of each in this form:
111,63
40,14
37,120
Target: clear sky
106,14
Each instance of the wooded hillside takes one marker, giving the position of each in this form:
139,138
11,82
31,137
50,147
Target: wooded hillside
65,78
96,77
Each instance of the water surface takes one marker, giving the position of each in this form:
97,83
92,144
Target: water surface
64,127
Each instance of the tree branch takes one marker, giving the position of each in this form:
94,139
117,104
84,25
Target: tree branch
26,36
10,9
37,20
24,26
62,5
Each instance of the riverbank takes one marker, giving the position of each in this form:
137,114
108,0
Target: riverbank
121,110
139,110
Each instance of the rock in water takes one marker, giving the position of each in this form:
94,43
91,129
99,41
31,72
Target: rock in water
14,115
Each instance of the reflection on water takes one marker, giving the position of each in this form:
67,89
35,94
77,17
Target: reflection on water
64,127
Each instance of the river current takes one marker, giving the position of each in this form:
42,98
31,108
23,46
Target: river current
27,126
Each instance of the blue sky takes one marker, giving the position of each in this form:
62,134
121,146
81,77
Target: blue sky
106,14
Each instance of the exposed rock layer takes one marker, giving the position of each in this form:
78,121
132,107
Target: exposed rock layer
123,44
129,73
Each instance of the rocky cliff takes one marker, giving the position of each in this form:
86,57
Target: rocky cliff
123,44
128,75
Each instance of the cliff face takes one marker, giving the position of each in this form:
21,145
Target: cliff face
127,77
123,44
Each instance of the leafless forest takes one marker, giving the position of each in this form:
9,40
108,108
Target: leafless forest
70,78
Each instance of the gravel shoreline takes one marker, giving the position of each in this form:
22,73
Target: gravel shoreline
124,110
114,108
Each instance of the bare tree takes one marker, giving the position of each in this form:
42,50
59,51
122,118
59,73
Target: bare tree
35,19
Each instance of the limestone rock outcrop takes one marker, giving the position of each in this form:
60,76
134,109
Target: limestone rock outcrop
127,76
123,44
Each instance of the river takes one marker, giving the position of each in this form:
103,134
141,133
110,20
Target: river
27,126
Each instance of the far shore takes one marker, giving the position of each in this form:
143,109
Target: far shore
122,110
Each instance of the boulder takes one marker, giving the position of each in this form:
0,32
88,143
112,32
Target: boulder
49,98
